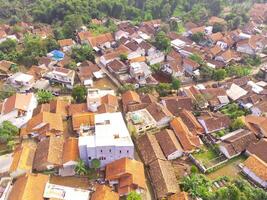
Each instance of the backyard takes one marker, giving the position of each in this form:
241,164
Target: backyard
229,169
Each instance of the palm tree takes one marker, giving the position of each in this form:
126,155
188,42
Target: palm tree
81,168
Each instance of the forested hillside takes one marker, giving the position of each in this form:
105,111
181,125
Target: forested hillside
52,11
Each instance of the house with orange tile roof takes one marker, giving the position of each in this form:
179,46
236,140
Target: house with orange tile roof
216,20
179,196
257,124
103,41
104,192
189,141
126,175
70,157
29,186
5,66
66,44
83,37
190,66
251,46
44,124
97,97
130,98
228,56
83,123
18,109
22,160
256,170
49,153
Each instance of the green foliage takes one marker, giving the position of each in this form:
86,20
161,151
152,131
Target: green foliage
155,68
197,185
196,58
8,132
126,87
133,196
194,169
197,37
6,92
44,96
81,168
253,61
237,124
51,44
80,54
218,28
234,111
163,89
123,57
238,71
95,163
8,46
79,93
14,68
176,84
162,42
219,74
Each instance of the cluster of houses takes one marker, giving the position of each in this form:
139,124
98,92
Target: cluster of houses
55,136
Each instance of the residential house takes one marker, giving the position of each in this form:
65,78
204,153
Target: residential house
235,92
228,56
160,113
66,44
256,170
18,108
216,97
70,157
94,98
148,48
83,37
49,153
188,140
20,81
215,37
29,186
104,192
37,71
250,46
258,13
235,143
22,160
83,123
259,109
216,20
117,67
256,124
101,42
130,98
126,175
172,68
87,71
43,124
213,123
191,122
61,75
156,57
77,108
62,192
136,50
179,196
169,144
110,141
141,120
5,67
140,71
111,101
163,179
57,106
114,54
149,149
190,66
176,103
258,149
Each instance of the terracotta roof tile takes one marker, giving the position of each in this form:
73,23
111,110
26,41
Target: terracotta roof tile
71,150
104,192
82,119
257,166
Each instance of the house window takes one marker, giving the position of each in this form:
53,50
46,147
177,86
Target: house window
120,151
110,150
89,158
101,151
127,151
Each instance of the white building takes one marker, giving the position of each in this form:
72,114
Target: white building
94,98
61,192
111,140
18,109
21,81
61,75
